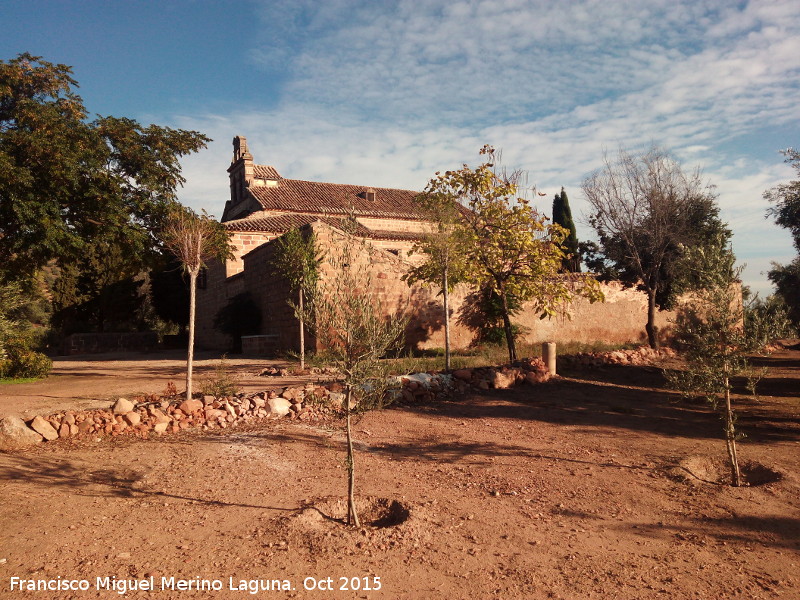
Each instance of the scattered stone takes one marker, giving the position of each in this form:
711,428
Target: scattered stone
502,380
14,433
133,419
160,427
229,409
123,406
336,400
190,406
159,416
44,428
463,374
279,407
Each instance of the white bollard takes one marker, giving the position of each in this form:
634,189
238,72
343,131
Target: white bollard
549,356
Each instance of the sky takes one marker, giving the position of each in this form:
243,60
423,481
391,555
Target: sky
387,93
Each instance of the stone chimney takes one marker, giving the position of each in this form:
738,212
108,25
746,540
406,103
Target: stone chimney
241,169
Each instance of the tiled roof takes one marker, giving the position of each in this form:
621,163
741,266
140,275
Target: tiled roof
294,195
265,172
282,223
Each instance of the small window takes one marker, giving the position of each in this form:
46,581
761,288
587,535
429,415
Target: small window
394,251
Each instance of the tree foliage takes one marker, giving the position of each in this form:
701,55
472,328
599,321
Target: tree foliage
646,211
297,258
786,212
17,359
444,265
508,246
710,330
562,215
169,291
67,181
355,329
240,316
193,239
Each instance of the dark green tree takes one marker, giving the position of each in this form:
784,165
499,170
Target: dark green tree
67,181
240,316
562,215
786,212
169,290
646,212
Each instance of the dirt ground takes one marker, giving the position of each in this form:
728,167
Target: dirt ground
596,485
88,381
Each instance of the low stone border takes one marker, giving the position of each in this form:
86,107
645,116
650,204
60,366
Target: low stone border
644,355
308,402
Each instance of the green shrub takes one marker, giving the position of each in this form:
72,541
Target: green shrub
222,383
20,361
766,320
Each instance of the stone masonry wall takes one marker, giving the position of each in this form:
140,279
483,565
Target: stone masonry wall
620,319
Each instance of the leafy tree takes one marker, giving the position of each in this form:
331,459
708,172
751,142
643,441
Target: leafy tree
646,211
102,290
508,246
356,330
787,284
194,239
444,264
786,212
16,357
297,258
240,316
766,320
562,215
170,293
67,181
710,330
11,299
482,312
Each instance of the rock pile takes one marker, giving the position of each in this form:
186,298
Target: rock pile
305,403
308,402
643,355
422,387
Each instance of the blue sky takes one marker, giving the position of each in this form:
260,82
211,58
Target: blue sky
387,93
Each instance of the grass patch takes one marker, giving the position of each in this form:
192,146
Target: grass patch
16,380
432,359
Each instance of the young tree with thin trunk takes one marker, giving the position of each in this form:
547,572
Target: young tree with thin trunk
444,256
194,239
645,211
508,246
297,258
710,330
355,329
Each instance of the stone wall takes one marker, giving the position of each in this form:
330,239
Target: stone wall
94,343
620,319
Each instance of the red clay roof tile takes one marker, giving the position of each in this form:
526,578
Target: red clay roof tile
294,195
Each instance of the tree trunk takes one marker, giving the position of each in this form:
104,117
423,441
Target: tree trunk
652,330
190,348
512,348
730,438
302,332
446,298
352,515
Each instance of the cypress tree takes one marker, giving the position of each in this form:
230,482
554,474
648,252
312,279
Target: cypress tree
562,215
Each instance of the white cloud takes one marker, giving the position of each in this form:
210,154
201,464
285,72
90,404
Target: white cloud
388,93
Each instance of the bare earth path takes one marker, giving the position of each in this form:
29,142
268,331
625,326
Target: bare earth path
88,381
594,486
